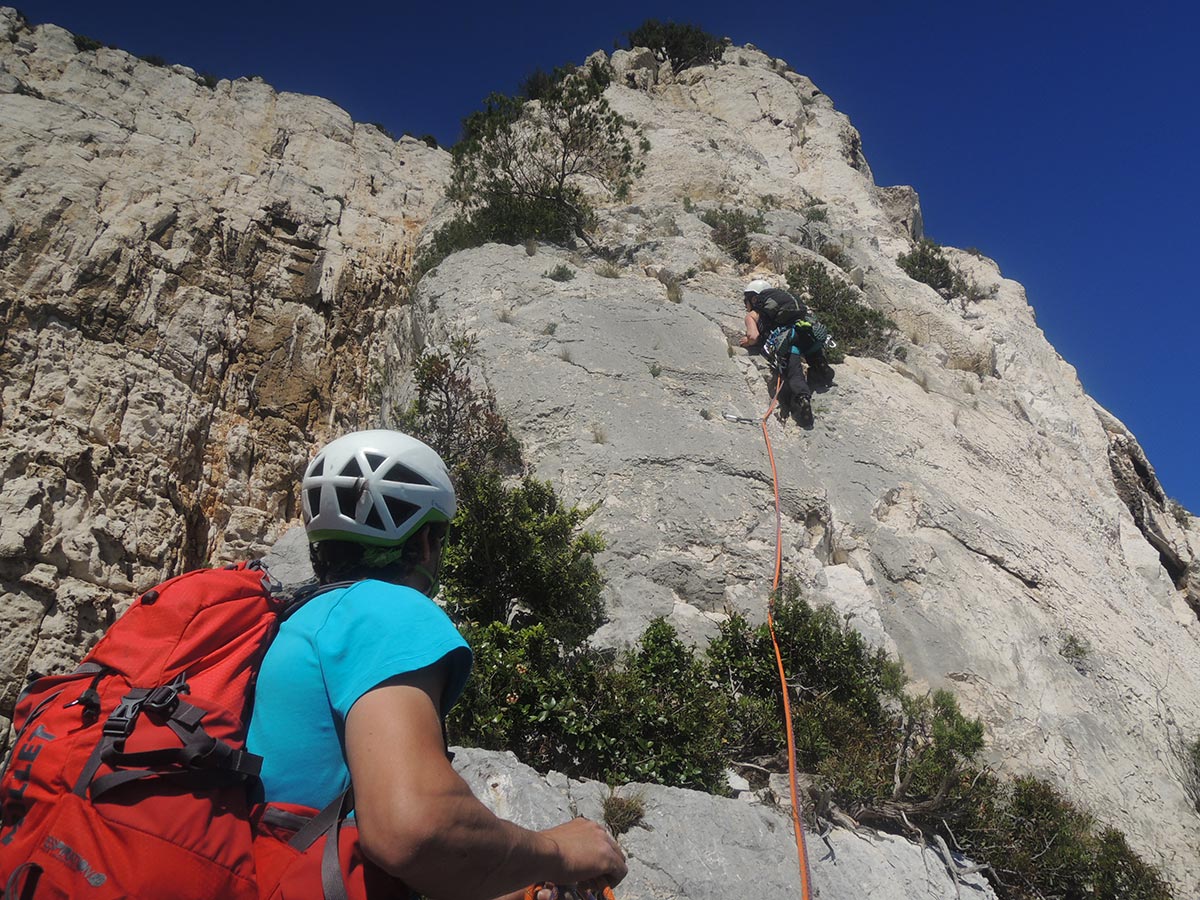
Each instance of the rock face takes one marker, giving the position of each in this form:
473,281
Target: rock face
704,848
190,279
199,284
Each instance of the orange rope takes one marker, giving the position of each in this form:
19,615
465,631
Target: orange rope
801,847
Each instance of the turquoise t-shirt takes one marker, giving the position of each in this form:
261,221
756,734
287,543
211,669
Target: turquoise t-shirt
335,648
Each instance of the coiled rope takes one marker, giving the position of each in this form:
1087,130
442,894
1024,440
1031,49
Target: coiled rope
801,847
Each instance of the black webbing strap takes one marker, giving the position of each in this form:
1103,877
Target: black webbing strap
14,881
322,822
328,822
199,751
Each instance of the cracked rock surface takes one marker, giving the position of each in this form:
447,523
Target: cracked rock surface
698,846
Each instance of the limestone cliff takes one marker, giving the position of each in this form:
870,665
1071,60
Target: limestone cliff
199,284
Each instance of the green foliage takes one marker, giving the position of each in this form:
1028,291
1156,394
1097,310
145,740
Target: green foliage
1041,845
684,45
648,715
731,230
521,552
858,329
429,141
383,129
1074,649
816,214
153,59
208,80
561,272
926,263
512,550
837,255
522,167
463,425
540,84
83,43
843,681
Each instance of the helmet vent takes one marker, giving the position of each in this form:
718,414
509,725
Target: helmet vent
347,500
318,467
314,501
375,460
400,510
352,469
373,519
402,474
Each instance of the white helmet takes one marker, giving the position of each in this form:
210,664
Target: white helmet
757,286
375,487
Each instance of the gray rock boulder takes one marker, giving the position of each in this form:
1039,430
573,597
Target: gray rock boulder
698,846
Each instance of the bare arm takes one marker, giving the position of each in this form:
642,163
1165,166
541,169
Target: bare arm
419,821
751,337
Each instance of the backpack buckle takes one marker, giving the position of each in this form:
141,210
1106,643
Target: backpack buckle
119,723
165,698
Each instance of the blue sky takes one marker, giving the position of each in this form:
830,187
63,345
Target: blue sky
1059,138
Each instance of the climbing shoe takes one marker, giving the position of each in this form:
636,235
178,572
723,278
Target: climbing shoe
802,412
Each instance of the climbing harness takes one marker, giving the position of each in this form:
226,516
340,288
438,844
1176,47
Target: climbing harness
801,848
570,891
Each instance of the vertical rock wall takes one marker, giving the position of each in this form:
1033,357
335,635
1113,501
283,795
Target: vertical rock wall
191,281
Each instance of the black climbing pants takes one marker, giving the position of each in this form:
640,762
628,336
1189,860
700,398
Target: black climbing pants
794,382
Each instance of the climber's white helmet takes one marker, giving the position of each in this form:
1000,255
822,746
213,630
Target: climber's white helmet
375,487
757,286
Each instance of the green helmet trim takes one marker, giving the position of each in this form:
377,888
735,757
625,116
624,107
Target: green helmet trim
334,534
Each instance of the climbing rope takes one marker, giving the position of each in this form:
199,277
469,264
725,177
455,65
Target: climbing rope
801,847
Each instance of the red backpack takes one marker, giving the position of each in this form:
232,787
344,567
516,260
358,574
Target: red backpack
128,777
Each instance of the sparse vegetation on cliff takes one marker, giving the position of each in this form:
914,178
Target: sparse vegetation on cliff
926,263
684,45
525,163
731,230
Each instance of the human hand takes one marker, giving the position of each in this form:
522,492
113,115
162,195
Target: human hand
587,852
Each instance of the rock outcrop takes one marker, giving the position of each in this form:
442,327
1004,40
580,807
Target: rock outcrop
191,281
198,284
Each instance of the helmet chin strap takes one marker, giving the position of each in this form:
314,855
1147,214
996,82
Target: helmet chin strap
431,577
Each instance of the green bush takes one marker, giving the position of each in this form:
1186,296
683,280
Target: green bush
521,553
858,329
462,424
521,168
83,43
1041,845
684,45
561,272
837,255
649,715
926,263
731,230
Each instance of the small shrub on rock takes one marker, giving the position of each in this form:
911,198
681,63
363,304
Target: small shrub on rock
684,45
926,263
561,272
83,43
732,229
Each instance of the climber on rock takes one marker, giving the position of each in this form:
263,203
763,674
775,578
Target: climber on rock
777,327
